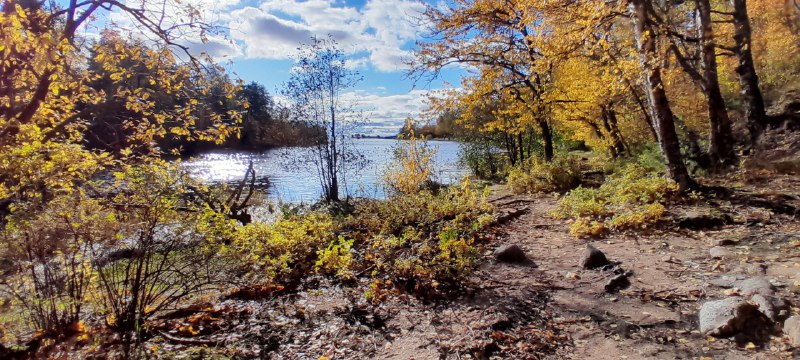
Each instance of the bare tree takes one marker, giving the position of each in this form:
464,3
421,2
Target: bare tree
316,89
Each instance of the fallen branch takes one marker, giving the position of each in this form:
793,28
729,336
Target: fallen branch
190,341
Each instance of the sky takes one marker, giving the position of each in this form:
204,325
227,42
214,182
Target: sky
261,38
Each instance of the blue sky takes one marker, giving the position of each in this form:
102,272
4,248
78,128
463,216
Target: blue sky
377,35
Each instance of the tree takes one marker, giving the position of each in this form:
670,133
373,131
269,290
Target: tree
495,39
703,71
260,107
316,89
661,112
755,111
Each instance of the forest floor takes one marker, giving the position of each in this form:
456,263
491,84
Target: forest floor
549,306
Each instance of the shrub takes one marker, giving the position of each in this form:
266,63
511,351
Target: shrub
285,250
336,259
483,159
50,255
412,169
632,197
138,248
422,243
561,174
161,254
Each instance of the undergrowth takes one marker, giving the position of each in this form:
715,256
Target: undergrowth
561,174
422,243
633,197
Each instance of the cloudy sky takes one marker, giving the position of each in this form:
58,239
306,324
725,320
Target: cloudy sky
377,35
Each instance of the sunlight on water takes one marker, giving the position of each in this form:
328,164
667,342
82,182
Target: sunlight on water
288,178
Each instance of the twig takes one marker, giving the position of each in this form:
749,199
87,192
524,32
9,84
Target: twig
189,341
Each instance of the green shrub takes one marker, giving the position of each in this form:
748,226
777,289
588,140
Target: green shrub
632,197
336,259
285,250
422,243
561,174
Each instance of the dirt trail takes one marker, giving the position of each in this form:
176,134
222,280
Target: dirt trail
656,317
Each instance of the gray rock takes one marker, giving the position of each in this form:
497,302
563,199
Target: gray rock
593,258
791,328
719,252
755,285
727,281
617,283
510,254
752,269
775,308
726,317
765,305
725,242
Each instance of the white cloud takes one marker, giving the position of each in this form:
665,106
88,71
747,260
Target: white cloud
382,28
378,32
385,114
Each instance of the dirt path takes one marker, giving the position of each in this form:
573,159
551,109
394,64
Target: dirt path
656,317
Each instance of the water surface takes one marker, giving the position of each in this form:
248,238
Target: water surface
288,178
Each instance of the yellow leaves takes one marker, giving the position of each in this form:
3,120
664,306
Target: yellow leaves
20,12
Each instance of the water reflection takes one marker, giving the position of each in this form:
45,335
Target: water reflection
286,178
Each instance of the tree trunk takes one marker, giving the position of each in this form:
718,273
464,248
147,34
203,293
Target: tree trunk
660,109
755,113
609,117
643,107
721,147
547,135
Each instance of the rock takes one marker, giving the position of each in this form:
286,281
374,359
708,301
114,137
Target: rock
617,283
510,254
725,242
666,258
791,328
764,305
726,317
755,285
727,281
593,258
719,252
774,307
751,269
698,220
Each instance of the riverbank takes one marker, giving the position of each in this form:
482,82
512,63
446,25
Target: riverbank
546,304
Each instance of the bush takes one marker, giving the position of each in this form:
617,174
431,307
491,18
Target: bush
162,253
422,243
286,250
561,174
135,249
51,271
483,159
412,169
632,197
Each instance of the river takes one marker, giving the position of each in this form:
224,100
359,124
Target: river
288,179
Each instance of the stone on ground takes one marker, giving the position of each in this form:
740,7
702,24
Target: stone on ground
593,258
719,252
726,317
510,254
699,219
617,283
791,328
755,285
